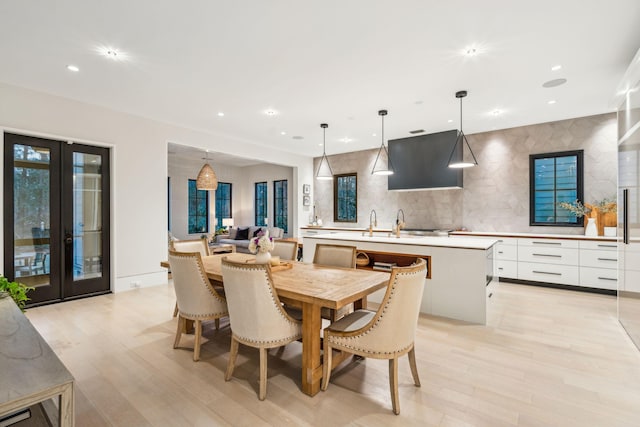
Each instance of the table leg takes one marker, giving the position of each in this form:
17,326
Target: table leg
360,304
311,363
65,410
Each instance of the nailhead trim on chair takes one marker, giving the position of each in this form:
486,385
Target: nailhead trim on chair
205,280
334,339
273,298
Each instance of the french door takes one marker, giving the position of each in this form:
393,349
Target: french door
56,217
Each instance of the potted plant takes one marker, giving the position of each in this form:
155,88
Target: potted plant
17,291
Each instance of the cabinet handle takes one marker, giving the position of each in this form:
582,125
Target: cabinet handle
608,278
607,246
607,259
547,272
547,243
548,255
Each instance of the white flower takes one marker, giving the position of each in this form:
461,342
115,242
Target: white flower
261,243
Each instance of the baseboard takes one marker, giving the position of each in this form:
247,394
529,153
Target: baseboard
559,286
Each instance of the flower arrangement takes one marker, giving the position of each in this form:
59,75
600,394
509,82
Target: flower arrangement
261,243
580,209
577,208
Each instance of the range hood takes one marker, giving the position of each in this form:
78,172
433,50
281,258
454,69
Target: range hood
421,162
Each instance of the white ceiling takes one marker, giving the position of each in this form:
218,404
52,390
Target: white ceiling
332,61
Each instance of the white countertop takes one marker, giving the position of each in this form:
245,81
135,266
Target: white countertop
532,235
445,242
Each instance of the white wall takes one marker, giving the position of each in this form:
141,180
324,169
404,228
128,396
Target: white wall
139,170
242,180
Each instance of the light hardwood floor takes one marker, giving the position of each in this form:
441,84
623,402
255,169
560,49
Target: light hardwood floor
548,357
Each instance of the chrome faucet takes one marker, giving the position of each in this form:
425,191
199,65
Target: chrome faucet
399,223
373,221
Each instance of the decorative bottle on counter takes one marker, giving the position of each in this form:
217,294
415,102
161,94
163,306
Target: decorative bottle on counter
592,227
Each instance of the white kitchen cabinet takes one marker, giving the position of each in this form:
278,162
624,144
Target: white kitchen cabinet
550,273
507,269
599,265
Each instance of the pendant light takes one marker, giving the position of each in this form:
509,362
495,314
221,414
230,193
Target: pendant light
463,161
207,179
324,169
382,165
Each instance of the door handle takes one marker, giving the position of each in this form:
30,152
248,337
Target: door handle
625,216
68,239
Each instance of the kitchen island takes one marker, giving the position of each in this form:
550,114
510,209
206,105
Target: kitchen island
458,268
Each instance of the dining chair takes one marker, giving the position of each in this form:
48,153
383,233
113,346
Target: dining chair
192,245
335,256
257,318
197,299
387,333
285,249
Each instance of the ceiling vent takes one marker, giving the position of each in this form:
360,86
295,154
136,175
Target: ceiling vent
417,131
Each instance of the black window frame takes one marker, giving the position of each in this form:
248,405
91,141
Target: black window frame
219,216
200,196
281,221
336,202
260,204
579,187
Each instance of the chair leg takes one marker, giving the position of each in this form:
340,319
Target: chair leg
414,367
393,384
217,324
175,310
326,364
263,373
179,331
198,336
233,354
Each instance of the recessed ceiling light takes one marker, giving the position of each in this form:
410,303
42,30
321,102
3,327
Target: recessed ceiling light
320,144
496,112
111,53
373,134
470,51
556,67
220,114
554,83
346,140
270,112
553,101
450,121
73,68
283,133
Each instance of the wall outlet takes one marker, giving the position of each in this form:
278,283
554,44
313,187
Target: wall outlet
135,284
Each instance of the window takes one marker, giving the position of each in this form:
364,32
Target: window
345,203
280,204
198,209
260,202
223,202
555,178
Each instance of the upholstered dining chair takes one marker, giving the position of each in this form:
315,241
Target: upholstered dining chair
192,245
285,249
197,298
385,334
335,256
257,318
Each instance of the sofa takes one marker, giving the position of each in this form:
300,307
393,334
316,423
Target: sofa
236,236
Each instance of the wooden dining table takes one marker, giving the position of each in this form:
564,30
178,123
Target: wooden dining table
311,287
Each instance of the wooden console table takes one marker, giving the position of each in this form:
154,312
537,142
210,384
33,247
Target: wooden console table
30,372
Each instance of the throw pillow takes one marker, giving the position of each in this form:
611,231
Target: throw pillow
255,233
242,234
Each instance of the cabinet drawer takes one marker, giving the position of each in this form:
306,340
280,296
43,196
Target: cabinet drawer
507,269
600,259
601,246
507,241
602,278
550,273
548,243
506,252
548,255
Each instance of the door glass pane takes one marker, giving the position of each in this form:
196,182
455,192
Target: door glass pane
87,216
31,217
